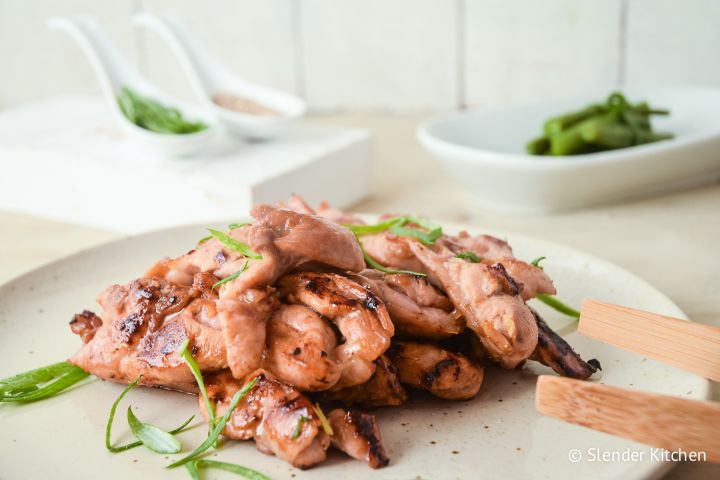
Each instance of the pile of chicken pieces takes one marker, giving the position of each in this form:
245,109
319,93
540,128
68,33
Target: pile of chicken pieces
307,319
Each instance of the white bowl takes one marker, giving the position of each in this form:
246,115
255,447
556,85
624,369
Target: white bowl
485,151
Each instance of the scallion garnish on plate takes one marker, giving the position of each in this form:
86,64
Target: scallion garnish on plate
40,383
298,428
398,226
552,301
195,369
156,439
469,256
111,417
193,469
323,420
230,277
377,266
220,425
234,245
536,262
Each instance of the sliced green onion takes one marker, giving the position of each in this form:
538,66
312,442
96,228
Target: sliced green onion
233,244
553,302
204,239
195,369
108,427
193,470
426,238
469,256
370,261
40,383
378,227
230,277
228,467
215,433
323,420
298,428
233,226
397,225
536,262
156,439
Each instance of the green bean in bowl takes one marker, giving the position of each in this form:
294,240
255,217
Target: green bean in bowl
614,124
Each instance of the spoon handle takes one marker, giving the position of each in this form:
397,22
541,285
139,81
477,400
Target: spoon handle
661,421
693,347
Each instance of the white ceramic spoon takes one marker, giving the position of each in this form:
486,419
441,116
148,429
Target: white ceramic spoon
114,73
209,77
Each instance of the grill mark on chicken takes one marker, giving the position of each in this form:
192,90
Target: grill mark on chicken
269,413
512,284
366,329
445,374
416,308
304,366
358,435
85,325
552,350
382,390
488,300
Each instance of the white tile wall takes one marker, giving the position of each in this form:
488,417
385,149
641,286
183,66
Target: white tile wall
673,41
37,62
254,38
389,55
379,54
517,53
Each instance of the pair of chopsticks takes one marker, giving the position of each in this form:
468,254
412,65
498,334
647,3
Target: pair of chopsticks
661,421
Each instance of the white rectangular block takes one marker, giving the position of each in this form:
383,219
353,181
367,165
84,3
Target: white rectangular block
67,160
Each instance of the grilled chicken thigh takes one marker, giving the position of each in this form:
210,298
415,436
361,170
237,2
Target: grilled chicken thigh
555,352
489,300
301,349
382,390
445,374
143,325
416,308
270,413
358,435
359,315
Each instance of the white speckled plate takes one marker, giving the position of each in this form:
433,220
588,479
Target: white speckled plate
496,435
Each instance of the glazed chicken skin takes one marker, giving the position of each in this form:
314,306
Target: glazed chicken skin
489,300
283,422
142,327
445,374
301,349
382,390
270,413
417,309
359,315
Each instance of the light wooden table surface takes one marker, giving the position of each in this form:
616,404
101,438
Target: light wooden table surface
672,241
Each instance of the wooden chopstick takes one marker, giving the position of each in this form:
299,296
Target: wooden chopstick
690,346
661,421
